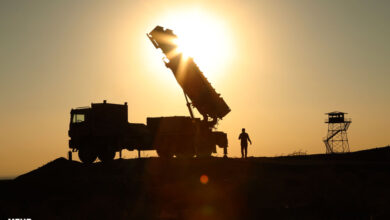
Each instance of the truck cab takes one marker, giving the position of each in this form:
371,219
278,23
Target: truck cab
103,129
78,121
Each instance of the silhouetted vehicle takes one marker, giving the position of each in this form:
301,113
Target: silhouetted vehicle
103,129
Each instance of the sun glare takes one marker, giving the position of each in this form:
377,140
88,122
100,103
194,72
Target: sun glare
202,37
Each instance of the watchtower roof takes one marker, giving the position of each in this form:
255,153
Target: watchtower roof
336,113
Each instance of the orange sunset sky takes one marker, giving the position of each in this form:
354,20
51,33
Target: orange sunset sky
279,65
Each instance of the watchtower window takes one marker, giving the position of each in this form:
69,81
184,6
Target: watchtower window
78,118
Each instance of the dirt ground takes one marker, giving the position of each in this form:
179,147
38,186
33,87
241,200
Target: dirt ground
345,186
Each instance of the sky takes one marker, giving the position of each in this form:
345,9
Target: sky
279,65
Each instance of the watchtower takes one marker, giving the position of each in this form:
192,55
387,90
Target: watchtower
336,140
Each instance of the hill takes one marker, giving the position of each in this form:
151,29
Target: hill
344,186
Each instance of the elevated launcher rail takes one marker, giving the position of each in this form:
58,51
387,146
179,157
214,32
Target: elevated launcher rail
194,84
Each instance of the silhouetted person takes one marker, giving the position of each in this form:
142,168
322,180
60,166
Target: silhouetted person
244,137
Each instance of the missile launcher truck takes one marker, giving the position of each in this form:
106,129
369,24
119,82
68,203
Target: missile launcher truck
103,129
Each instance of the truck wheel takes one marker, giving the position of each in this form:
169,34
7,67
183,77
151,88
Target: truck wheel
106,154
185,150
204,154
204,151
185,155
164,153
87,155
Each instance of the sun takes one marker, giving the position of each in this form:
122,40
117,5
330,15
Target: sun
202,37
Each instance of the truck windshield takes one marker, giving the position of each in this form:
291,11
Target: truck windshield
78,118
